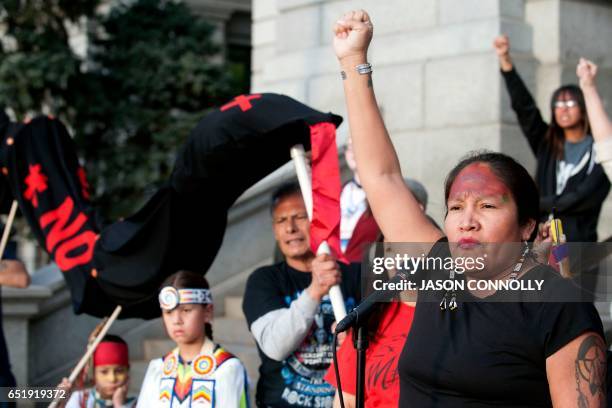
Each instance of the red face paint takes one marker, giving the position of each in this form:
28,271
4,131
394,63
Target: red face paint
478,180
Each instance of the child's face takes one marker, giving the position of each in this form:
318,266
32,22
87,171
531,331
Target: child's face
109,378
185,323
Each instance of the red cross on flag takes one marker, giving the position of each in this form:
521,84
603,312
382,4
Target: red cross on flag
242,101
36,182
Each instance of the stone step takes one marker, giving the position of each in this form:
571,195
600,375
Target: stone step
233,286
137,372
233,307
157,348
230,330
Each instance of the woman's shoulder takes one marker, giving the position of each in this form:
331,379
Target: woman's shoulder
562,302
552,287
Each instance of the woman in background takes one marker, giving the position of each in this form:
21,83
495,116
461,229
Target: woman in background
571,183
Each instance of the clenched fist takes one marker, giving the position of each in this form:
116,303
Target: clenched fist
502,48
325,274
502,45
352,35
586,72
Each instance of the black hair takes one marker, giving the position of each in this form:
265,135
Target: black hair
112,338
184,279
285,190
522,187
555,135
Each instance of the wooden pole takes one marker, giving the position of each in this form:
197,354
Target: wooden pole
7,228
90,349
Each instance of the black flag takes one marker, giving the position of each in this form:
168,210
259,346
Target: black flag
180,227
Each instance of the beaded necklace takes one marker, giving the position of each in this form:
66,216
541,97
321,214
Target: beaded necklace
452,304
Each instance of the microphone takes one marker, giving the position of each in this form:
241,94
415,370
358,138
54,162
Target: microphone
368,304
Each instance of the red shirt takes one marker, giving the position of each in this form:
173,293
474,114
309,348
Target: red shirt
382,380
366,231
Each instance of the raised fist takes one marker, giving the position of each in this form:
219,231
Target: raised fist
352,34
586,72
502,45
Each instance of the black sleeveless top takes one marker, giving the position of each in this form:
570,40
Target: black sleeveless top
488,352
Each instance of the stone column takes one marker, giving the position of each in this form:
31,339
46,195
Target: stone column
435,72
18,306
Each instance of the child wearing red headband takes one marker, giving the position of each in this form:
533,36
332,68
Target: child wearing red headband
198,372
111,375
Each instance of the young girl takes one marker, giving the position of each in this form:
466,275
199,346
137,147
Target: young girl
198,372
111,375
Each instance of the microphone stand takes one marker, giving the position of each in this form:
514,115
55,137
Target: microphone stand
361,346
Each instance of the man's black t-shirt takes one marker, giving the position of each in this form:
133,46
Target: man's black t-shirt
298,380
489,353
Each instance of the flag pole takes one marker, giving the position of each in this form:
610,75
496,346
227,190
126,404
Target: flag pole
303,174
90,349
7,228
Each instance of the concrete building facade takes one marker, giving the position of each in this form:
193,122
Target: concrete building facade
436,74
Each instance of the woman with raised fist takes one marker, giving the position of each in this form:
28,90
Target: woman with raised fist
571,183
473,347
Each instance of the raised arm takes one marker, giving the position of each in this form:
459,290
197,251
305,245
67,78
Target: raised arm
523,104
394,207
598,119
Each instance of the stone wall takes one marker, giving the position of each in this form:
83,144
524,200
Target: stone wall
436,74
563,31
